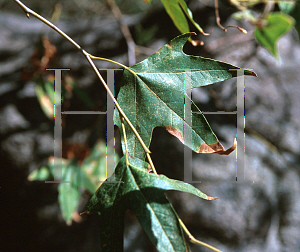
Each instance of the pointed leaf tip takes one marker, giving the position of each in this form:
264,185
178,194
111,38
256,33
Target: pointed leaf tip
216,148
228,151
249,72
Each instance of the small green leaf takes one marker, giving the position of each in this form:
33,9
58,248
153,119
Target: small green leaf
286,6
178,10
173,9
69,193
42,173
277,25
45,98
188,12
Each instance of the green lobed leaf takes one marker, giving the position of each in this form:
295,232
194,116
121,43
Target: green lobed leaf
143,194
278,24
152,95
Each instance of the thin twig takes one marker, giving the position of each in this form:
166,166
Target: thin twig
151,163
125,30
194,240
218,20
125,139
88,57
268,8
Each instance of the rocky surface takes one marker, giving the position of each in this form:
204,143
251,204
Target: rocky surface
259,213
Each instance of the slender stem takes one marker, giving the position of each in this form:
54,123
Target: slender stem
114,62
193,240
218,20
125,139
151,163
109,60
88,57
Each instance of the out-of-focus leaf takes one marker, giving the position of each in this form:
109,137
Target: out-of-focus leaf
278,24
94,166
143,193
69,193
86,176
286,6
152,95
40,174
144,36
45,99
244,15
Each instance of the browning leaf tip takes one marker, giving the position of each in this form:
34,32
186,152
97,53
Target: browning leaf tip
253,74
211,198
228,151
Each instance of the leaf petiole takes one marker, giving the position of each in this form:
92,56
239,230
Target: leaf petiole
125,140
194,240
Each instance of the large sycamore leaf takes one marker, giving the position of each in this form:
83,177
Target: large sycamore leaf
133,187
153,92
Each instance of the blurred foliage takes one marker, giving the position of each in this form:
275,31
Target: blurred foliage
277,25
269,26
81,175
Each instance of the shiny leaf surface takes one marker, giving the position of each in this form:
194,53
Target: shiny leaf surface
134,188
153,95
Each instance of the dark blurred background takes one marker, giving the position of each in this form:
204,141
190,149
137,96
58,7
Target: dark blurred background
260,213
